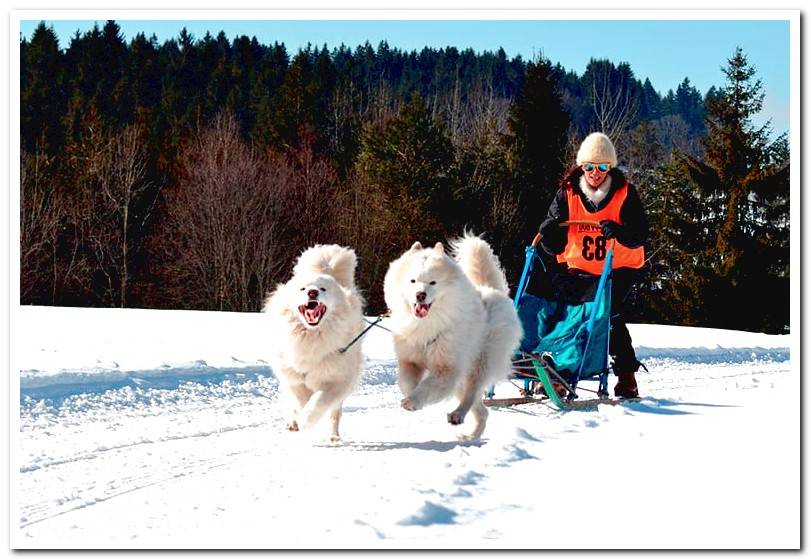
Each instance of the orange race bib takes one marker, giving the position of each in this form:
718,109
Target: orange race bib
586,246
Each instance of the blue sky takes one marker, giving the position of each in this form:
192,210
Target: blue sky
665,51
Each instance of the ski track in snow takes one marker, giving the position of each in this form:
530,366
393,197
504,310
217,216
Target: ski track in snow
135,440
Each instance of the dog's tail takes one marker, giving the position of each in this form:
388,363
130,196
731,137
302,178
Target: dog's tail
339,262
480,264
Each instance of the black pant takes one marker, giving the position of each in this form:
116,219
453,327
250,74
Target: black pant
620,346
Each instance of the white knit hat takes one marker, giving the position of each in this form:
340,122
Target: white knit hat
597,148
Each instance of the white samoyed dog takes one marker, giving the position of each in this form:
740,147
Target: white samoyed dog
455,328
314,316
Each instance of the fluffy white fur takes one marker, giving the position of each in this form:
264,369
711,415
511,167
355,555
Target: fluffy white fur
313,315
455,328
595,195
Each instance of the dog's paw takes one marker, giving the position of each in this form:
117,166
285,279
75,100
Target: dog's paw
407,404
467,437
292,426
455,418
335,438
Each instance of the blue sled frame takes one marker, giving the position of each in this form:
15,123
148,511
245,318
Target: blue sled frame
541,379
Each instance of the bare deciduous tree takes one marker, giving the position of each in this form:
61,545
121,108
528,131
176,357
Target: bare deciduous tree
42,269
573,140
487,113
481,114
238,218
109,208
674,134
221,211
367,223
310,194
615,104
123,183
382,104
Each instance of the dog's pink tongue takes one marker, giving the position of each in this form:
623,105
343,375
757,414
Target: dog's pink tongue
421,310
312,315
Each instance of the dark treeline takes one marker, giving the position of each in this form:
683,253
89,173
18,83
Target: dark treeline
190,174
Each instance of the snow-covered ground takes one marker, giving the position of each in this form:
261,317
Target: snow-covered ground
163,430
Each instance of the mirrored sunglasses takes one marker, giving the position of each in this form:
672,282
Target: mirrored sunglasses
603,167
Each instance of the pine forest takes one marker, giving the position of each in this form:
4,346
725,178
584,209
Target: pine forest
191,174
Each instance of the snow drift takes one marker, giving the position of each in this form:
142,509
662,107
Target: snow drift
145,429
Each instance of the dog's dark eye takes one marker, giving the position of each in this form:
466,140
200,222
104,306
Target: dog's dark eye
432,282
323,289
412,280
302,289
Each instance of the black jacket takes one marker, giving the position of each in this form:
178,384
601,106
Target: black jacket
632,213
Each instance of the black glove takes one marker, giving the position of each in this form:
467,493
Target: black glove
611,229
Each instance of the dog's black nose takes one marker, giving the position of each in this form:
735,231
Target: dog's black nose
420,297
312,294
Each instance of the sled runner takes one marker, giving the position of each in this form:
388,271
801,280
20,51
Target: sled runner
566,333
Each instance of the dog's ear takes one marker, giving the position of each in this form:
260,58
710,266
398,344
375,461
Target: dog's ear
439,249
339,262
417,246
342,265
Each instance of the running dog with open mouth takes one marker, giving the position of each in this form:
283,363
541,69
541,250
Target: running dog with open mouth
314,316
455,328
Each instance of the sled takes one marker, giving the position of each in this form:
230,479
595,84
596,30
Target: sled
565,341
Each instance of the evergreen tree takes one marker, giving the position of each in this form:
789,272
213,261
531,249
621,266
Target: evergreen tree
324,83
574,97
411,159
296,104
96,78
538,127
344,120
690,105
42,94
483,144
116,89
486,184
215,55
171,104
412,154
613,99
677,280
668,106
246,54
402,191
270,75
143,75
190,83
745,181
644,154
650,102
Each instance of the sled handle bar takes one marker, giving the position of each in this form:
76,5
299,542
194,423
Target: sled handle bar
580,223
536,240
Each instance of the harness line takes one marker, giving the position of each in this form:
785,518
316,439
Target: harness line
363,332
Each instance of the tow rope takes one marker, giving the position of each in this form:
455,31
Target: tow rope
363,332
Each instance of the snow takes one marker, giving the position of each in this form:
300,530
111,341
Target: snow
162,429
